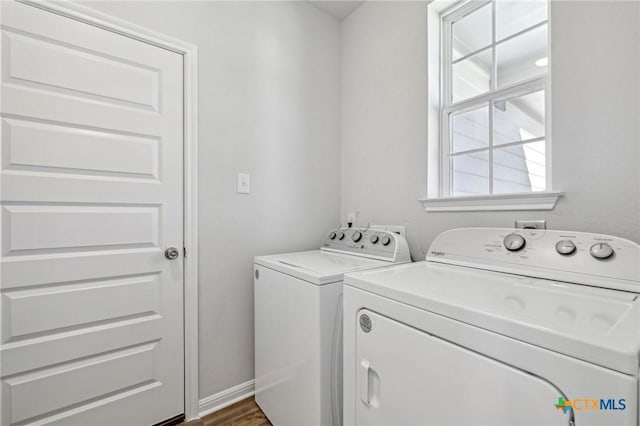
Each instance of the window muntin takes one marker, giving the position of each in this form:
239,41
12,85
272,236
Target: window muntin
494,75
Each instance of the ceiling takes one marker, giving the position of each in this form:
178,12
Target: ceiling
337,8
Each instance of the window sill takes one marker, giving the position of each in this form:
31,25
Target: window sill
522,201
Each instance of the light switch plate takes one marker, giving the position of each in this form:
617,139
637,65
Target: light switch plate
244,183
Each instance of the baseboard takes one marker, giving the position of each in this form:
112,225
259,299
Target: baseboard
227,397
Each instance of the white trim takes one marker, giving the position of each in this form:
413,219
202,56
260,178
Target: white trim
190,59
548,90
493,202
227,397
505,93
434,95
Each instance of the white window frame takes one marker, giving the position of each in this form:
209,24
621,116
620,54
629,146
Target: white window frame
442,14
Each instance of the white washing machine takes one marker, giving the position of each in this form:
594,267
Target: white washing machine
497,327
298,323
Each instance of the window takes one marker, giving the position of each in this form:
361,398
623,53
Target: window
492,71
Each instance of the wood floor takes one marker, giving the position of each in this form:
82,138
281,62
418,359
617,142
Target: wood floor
243,413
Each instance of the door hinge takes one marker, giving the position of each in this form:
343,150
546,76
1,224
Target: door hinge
184,251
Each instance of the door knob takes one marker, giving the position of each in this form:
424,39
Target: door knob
171,253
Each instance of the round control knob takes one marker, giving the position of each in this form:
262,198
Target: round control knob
357,236
601,251
386,240
332,235
374,239
565,247
340,235
514,242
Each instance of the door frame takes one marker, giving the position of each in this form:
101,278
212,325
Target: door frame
189,53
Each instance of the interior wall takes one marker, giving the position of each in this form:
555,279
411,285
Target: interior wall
595,78
269,87
269,96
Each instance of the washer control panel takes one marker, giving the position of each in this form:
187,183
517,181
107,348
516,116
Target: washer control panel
564,255
372,243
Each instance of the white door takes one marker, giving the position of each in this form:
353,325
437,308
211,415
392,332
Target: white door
405,376
91,193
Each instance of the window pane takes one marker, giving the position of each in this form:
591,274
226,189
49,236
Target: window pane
519,168
472,76
522,57
470,130
472,32
519,119
513,16
470,174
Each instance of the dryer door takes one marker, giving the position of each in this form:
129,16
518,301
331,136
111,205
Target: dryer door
408,377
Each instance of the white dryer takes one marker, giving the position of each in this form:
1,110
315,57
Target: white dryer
497,327
298,323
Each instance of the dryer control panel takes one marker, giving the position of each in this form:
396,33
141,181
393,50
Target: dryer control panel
366,242
579,257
